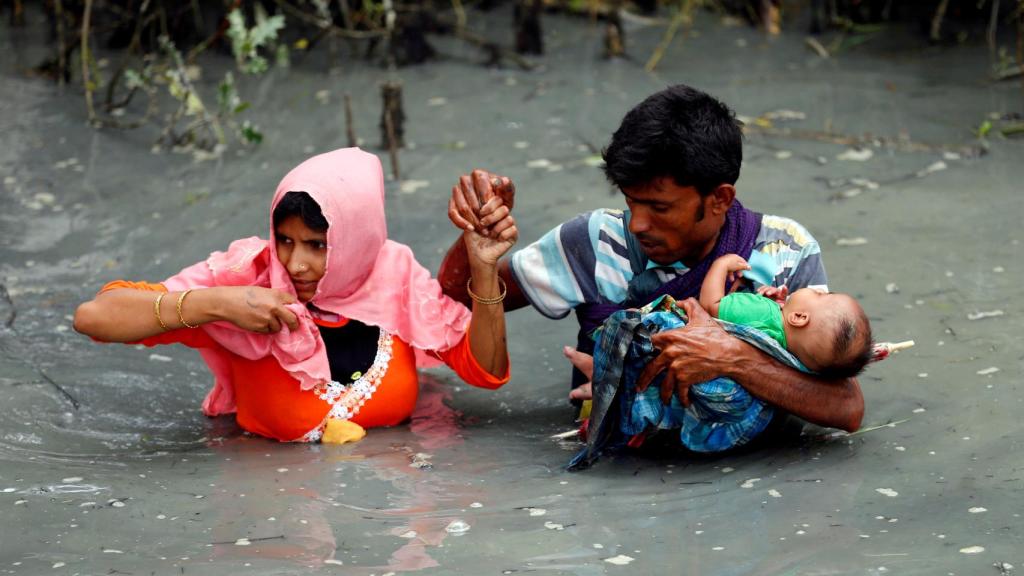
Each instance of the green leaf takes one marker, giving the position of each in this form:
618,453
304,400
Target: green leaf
250,133
984,129
133,79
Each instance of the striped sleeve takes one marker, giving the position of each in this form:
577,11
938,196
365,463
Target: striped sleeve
796,253
584,260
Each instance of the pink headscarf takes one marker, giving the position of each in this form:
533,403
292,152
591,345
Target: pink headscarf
368,278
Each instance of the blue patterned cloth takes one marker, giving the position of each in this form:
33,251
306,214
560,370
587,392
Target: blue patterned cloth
721,415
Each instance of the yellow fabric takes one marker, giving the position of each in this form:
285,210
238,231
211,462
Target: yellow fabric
342,431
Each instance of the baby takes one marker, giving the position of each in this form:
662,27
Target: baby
829,333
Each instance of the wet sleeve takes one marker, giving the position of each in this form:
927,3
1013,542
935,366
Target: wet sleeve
556,273
809,271
193,338
460,359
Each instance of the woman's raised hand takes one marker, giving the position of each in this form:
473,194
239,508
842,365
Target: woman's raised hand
257,309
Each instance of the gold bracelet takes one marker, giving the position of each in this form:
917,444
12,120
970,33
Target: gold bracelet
496,300
156,310
180,317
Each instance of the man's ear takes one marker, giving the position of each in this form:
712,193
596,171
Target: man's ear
720,199
797,318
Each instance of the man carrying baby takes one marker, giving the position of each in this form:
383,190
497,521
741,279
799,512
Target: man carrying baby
676,158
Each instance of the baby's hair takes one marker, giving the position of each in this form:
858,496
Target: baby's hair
852,346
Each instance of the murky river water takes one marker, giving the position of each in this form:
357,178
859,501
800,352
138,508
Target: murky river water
108,467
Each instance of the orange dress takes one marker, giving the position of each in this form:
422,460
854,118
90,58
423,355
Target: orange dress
271,403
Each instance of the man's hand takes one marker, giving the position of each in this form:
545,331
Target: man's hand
584,363
481,201
697,352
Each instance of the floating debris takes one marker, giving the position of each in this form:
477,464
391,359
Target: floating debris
620,560
159,358
892,288
855,241
785,115
457,527
72,479
476,505
988,371
243,542
851,193
58,564
918,410
539,163
554,526
750,483
774,493
536,511
323,96
437,101
887,492
977,510
932,168
282,470
972,550
728,469
334,561
988,314
421,461
950,156
783,155
856,155
409,534
112,551
718,548
411,186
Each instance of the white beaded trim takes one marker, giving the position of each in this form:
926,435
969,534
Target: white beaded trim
345,400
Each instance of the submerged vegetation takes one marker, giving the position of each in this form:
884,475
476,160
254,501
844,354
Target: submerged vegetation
156,45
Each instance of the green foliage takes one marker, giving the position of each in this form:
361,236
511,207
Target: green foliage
246,42
983,129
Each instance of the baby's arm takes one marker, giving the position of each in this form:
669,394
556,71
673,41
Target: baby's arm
723,269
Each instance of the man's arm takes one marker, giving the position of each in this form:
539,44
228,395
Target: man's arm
702,351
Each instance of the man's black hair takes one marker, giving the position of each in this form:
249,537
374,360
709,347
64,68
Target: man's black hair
302,205
679,132
852,347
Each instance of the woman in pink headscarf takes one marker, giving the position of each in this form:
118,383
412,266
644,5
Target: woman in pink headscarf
316,333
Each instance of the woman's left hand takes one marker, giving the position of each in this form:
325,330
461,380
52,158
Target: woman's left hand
498,235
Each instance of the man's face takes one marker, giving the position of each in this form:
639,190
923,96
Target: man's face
674,223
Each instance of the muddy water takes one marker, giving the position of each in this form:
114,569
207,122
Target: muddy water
107,465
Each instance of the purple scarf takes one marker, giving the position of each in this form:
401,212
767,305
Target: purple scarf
736,237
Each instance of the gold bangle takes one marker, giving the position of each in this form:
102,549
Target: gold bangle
180,317
496,300
156,310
